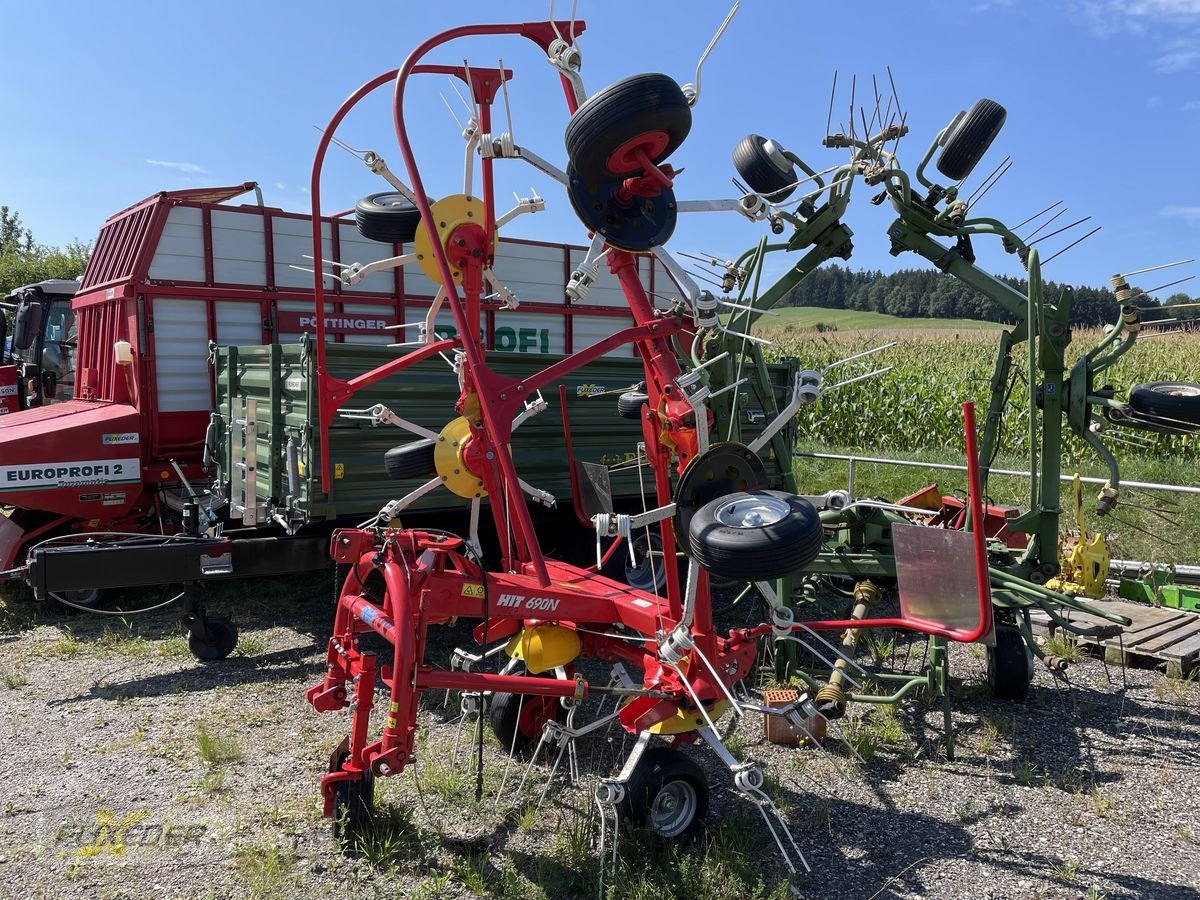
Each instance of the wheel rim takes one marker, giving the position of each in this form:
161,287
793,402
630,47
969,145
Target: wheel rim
674,808
89,597
753,512
775,153
392,201
1178,390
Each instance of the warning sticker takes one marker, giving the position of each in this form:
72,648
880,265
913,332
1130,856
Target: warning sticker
472,590
37,476
115,498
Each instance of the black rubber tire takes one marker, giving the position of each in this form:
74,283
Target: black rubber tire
353,804
629,404
765,173
621,112
88,599
1178,401
1009,665
971,138
411,460
639,577
389,217
217,644
513,717
662,774
756,553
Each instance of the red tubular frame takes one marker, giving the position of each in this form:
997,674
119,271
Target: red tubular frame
494,422
333,391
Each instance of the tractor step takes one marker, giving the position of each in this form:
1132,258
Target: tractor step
1157,635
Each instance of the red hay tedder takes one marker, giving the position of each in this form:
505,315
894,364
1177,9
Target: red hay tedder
548,615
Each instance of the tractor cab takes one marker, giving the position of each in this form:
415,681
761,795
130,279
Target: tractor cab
38,363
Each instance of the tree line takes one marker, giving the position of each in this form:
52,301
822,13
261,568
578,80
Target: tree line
925,293
24,261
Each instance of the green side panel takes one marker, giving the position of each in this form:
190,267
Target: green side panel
425,393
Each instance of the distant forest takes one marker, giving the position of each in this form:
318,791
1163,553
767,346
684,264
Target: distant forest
921,293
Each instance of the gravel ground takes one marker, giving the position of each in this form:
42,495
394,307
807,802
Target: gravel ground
132,770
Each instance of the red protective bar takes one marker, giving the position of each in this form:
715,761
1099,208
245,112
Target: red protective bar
325,384
977,522
661,329
538,32
437,679
981,566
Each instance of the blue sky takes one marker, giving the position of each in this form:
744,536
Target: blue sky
105,103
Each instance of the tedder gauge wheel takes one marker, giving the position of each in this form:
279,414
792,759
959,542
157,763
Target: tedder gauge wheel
668,792
764,168
1009,665
970,138
212,638
517,719
353,802
389,217
1175,400
411,460
755,535
629,404
643,112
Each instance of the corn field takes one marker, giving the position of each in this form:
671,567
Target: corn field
917,406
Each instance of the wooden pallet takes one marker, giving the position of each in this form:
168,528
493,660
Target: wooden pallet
1157,633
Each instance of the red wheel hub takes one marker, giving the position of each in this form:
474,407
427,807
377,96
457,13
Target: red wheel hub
465,244
535,713
625,158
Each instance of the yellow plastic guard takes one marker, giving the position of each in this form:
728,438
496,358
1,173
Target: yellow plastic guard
683,722
544,647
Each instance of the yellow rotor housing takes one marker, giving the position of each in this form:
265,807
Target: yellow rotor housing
450,461
447,214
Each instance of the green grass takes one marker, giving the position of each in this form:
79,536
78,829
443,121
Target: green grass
264,870
991,731
19,611
118,642
250,645
801,318
877,729
717,865
215,748
392,840
1063,648
1066,871
1174,690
